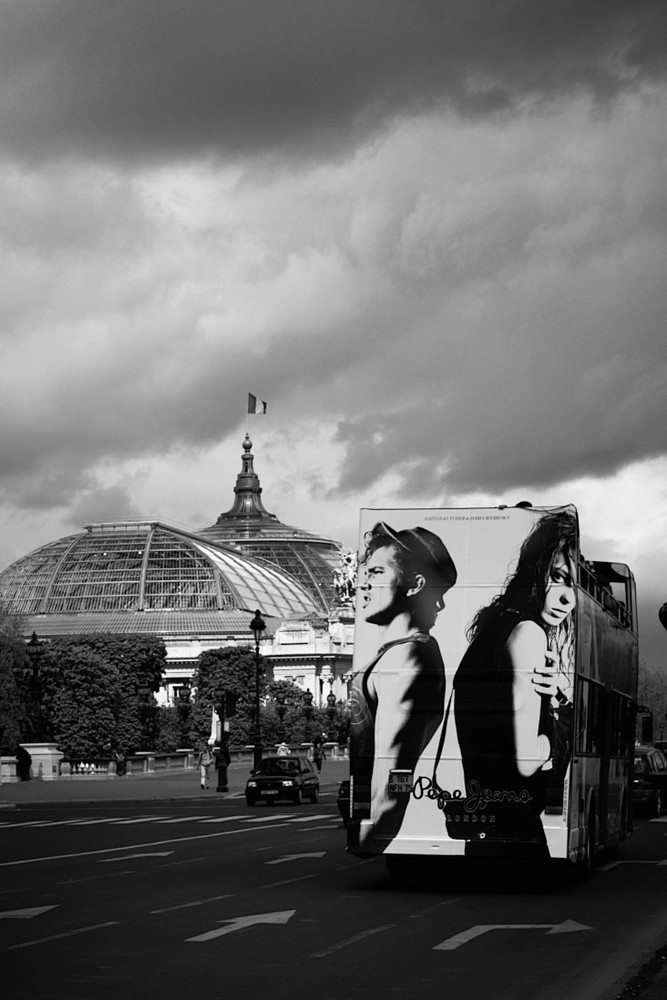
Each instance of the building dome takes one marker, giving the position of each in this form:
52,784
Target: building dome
247,526
134,575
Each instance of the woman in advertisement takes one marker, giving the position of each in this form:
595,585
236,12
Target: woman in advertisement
398,699
513,697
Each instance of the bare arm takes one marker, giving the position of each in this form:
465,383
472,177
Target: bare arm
527,648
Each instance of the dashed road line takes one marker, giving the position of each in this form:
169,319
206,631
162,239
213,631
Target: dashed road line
65,934
352,940
178,819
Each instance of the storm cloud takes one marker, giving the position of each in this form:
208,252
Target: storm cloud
123,80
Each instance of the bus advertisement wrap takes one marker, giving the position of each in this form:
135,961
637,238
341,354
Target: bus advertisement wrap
465,672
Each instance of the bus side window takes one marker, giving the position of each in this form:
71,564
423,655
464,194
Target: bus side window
590,722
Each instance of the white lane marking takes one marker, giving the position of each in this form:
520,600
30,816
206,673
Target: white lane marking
352,940
95,822
615,864
128,847
268,819
28,913
129,857
225,819
288,881
295,857
44,822
178,819
330,826
56,937
431,909
309,819
41,822
186,906
138,819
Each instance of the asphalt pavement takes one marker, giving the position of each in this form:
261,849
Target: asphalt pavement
649,983
152,787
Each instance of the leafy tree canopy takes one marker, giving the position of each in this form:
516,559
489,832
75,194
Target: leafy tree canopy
220,672
118,673
13,683
652,694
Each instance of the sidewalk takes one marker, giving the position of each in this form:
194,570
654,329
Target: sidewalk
157,786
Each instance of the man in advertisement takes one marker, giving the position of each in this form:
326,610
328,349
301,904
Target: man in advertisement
398,698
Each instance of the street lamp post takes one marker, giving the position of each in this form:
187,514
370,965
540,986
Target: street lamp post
308,711
35,650
257,626
331,711
281,708
183,708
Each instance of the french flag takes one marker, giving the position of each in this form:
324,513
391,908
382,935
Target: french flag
255,405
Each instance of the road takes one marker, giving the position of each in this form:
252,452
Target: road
209,899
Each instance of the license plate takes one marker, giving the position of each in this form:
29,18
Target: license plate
270,791
400,782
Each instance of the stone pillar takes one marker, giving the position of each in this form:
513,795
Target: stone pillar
8,775
46,759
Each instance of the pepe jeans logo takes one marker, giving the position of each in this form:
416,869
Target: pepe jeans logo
474,802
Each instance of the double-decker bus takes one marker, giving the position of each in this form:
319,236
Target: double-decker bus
494,688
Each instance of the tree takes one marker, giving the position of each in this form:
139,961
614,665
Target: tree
652,694
286,699
221,672
125,671
169,730
13,674
85,708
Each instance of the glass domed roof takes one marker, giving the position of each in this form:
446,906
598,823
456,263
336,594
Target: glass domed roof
135,566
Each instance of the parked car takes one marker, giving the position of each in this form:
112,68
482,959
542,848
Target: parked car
290,777
649,793
343,801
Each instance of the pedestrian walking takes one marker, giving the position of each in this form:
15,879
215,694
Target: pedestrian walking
204,761
318,752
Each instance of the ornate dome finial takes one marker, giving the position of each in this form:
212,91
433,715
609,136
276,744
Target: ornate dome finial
247,507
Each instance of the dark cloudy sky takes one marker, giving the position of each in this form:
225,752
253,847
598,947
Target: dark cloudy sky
430,233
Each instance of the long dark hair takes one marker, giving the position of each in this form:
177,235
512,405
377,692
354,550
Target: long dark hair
525,590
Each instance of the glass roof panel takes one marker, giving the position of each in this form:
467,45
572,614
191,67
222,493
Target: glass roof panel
260,586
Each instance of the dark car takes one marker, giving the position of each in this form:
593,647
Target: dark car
343,801
291,777
649,792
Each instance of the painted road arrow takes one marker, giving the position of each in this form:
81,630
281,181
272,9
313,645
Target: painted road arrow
239,923
128,857
295,857
567,927
30,911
